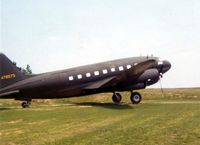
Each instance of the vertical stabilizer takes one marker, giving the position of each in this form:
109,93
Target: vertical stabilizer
9,73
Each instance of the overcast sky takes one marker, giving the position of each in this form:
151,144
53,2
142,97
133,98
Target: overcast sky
57,34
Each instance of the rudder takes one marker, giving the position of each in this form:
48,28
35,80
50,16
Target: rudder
9,73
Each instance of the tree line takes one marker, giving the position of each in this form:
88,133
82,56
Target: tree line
27,70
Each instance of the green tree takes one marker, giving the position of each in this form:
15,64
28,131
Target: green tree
26,71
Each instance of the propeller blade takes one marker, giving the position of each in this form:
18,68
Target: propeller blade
161,86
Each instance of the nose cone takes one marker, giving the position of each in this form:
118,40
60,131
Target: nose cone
166,66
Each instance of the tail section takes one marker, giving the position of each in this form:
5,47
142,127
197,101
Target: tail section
9,73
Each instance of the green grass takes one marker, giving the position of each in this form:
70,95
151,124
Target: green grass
172,119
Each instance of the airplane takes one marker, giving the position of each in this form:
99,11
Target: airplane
114,76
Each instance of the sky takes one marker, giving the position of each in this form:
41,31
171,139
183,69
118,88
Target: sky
58,34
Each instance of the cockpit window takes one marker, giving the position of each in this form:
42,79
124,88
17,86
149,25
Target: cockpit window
160,62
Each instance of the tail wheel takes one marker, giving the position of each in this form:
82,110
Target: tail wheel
116,98
135,98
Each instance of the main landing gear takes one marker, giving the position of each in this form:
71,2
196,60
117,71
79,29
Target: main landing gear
116,98
135,98
26,104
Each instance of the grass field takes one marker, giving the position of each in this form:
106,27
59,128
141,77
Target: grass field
169,119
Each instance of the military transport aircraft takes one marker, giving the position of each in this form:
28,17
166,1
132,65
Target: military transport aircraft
112,76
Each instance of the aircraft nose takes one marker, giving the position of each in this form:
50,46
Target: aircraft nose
166,66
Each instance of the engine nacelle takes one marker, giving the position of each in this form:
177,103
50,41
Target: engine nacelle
150,76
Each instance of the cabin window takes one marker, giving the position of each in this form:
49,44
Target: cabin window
96,73
160,62
112,69
105,71
79,76
88,74
121,68
128,66
71,78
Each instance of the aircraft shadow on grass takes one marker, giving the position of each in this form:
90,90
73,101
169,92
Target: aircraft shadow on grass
105,105
6,108
89,104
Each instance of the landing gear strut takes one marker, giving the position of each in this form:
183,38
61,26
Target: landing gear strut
135,97
116,98
26,104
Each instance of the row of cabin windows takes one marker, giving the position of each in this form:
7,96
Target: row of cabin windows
96,73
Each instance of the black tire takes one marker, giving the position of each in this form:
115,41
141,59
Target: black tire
116,98
25,105
135,98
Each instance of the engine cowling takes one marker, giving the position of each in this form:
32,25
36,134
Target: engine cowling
150,76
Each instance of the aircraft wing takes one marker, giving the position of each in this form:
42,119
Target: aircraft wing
133,73
99,84
139,68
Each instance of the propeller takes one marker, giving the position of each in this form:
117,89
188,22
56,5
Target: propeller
160,77
163,66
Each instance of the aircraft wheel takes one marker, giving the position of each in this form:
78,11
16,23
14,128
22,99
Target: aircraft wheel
25,105
136,98
116,98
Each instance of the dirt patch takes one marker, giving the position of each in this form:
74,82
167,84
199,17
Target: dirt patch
15,121
37,122
12,122
15,131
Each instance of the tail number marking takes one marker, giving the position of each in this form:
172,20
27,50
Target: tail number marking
9,76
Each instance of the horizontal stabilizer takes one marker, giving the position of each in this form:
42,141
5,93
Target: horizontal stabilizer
9,93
